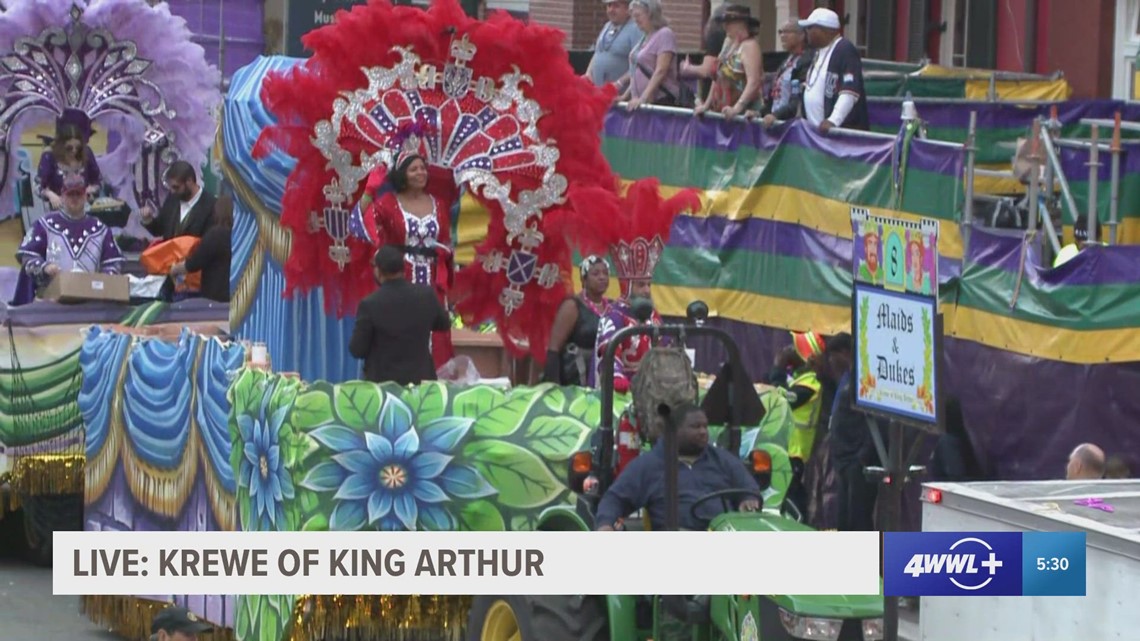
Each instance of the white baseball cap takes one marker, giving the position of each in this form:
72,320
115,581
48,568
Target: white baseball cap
825,18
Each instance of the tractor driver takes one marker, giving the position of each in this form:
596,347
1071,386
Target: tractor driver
703,468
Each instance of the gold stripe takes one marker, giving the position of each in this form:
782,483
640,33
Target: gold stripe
1085,347
780,204
992,330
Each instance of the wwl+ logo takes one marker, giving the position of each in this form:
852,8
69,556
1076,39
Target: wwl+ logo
952,563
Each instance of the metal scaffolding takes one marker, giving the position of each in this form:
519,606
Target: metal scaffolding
1047,179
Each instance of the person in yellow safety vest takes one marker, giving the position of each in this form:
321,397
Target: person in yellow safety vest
796,374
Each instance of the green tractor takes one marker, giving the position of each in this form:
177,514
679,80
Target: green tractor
702,618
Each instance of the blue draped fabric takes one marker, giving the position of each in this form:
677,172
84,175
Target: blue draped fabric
298,333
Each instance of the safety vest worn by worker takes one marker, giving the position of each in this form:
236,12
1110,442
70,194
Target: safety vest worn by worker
806,416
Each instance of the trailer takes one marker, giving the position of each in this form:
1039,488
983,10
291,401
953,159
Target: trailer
1109,611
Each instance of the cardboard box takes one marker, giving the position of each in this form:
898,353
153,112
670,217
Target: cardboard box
78,287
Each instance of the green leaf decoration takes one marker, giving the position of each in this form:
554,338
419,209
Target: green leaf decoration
522,478
308,500
244,394
505,418
243,619
269,622
587,408
481,516
476,401
527,522
244,504
554,399
299,449
316,523
312,409
428,401
358,404
556,438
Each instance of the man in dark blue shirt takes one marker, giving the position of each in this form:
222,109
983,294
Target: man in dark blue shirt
702,469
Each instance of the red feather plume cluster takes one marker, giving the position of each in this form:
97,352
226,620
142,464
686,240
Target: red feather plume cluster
573,114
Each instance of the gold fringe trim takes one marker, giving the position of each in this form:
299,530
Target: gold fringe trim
163,492
9,502
102,467
380,618
46,474
130,617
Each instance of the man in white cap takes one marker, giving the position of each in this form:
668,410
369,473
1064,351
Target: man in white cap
833,93
611,50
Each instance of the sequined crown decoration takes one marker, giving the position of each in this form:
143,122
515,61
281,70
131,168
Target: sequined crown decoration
482,129
636,259
412,140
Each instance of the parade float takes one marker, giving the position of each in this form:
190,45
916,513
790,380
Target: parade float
130,74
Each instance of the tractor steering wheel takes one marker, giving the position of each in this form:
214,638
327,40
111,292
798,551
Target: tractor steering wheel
722,495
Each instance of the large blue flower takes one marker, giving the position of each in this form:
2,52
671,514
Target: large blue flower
263,469
398,477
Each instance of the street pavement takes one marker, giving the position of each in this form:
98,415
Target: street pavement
29,611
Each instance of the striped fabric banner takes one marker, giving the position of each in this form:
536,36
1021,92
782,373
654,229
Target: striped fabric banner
772,245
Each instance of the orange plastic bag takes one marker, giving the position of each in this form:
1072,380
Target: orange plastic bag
160,257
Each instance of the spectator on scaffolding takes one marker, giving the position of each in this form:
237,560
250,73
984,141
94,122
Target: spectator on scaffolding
740,71
833,94
712,43
610,62
783,100
653,77
212,256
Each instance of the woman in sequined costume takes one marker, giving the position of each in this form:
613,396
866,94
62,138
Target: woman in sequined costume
739,73
419,219
69,154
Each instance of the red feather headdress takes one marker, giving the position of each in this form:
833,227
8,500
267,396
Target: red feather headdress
637,236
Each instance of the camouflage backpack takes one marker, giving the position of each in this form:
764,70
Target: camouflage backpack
664,375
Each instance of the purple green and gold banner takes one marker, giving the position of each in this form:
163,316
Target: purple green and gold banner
1086,311
775,226
935,81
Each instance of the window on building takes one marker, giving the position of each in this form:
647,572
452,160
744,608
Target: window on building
973,33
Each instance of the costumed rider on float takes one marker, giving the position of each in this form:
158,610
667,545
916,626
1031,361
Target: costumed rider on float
68,240
408,202
638,242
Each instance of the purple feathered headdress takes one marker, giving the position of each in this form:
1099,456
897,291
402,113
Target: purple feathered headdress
174,78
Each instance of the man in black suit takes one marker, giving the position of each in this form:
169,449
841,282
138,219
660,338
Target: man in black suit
394,324
188,209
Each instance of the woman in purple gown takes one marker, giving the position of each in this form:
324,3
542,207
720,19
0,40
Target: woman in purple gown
69,154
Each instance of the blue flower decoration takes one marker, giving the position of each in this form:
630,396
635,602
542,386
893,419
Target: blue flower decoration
263,469
397,478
